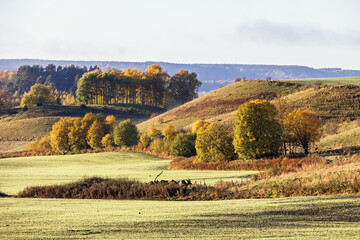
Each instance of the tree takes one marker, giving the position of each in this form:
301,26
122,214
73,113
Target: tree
257,133
199,124
95,135
126,133
184,86
4,99
59,135
107,141
77,135
153,133
214,143
183,145
39,94
304,127
169,133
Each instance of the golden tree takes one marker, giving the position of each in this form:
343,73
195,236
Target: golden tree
257,133
95,135
39,94
59,135
169,133
303,127
199,124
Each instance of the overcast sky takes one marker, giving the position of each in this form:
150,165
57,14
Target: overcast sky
316,33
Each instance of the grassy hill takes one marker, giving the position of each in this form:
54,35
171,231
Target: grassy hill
220,101
37,122
332,101
20,127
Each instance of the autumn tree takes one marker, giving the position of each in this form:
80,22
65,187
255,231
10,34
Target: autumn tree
184,86
214,143
39,94
95,135
4,100
108,141
153,133
59,135
303,127
169,133
77,135
199,124
126,133
183,145
257,133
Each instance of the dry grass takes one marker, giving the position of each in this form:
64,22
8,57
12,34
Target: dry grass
221,101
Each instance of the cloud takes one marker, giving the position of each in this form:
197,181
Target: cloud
267,32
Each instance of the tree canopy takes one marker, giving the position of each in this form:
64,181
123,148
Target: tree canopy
257,133
39,94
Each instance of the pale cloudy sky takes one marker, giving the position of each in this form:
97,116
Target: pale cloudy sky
316,33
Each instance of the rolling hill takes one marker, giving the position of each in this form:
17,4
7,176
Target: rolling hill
212,75
335,103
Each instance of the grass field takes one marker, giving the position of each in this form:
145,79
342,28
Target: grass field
327,217
17,173
326,81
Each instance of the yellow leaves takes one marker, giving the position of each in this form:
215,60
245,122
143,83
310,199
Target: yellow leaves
39,94
133,73
198,125
169,132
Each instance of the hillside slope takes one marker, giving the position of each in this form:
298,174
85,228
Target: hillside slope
220,101
37,122
332,103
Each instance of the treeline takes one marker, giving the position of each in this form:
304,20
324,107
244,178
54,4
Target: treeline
152,87
58,77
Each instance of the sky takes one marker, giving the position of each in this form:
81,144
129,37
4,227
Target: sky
315,33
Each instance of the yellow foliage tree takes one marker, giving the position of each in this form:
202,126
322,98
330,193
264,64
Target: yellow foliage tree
169,133
77,135
39,94
59,135
303,127
95,135
199,124
153,133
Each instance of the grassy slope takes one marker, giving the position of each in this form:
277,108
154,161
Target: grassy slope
17,173
326,81
220,101
37,121
331,217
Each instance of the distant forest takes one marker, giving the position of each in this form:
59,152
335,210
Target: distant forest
58,77
153,87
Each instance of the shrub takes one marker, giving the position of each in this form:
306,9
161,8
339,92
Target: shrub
144,141
215,143
183,145
169,133
256,132
160,146
107,141
126,133
153,133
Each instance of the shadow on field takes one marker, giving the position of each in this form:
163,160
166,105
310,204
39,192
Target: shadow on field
340,151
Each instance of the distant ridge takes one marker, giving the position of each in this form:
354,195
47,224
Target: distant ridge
212,75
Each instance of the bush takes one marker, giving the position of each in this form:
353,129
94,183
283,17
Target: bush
144,141
183,145
256,132
215,143
107,141
126,133
160,146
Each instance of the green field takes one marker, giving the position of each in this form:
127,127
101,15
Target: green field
17,173
292,218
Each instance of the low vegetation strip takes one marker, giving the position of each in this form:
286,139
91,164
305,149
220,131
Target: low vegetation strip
343,182
106,188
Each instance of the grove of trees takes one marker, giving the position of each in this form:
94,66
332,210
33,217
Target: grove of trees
38,95
152,87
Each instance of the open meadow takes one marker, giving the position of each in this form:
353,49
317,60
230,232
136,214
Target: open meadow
18,173
330,217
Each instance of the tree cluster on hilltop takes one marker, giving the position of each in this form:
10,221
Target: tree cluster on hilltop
152,87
